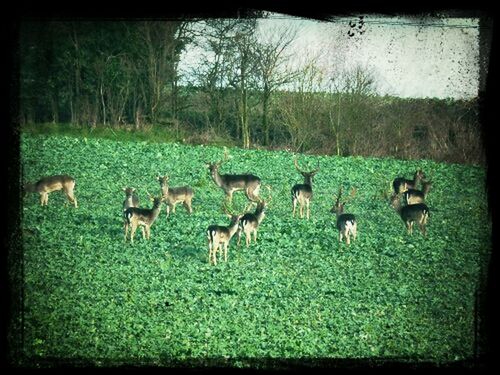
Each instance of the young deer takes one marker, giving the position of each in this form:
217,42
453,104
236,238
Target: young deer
413,196
302,193
346,223
219,236
144,217
401,184
49,184
131,199
230,183
174,195
413,213
250,222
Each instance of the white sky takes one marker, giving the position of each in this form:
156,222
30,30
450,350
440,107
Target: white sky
410,57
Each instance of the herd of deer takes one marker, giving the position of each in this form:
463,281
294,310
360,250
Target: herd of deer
413,211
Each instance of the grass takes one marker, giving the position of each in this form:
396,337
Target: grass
296,295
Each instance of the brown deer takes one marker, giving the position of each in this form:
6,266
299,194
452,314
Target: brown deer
144,217
346,223
250,222
230,183
49,184
401,184
302,193
174,195
219,236
412,196
131,199
412,213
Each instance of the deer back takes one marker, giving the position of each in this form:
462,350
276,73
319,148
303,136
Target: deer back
53,183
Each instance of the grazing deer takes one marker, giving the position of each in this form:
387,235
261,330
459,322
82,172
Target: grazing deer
346,223
250,222
49,184
131,199
219,236
413,196
302,193
230,183
144,217
410,214
401,184
174,195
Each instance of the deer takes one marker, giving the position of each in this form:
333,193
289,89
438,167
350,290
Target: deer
250,222
144,217
219,236
230,183
131,199
412,196
401,184
346,223
174,195
412,213
302,193
46,185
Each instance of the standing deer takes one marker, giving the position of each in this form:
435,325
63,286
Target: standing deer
131,199
412,196
410,214
302,193
174,195
346,223
144,217
250,222
230,183
219,236
401,184
49,184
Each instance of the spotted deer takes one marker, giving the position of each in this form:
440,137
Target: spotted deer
401,184
219,236
412,196
174,195
346,223
46,185
230,183
302,193
249,222
143,217
412,213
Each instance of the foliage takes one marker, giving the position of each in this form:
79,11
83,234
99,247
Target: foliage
296,294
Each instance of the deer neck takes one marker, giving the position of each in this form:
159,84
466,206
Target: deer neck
233,227
217,177
164,190
308,180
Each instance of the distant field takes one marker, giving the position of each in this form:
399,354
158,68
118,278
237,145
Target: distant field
296,294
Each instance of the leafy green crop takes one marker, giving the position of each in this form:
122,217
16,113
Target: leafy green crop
295,294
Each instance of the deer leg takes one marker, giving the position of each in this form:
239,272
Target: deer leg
255,235
173,208
168,210
126,230
340,236
248,237
347,237
143,232
294,206
354,231
71,197
132,232
225,250
307,207
187,206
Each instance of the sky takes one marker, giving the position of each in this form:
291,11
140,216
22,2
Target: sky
409,57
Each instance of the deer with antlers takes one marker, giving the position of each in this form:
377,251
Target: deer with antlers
174,195
143,217
249,222
219,236
346,223
411,214
230,183
302,193
401,184
46,185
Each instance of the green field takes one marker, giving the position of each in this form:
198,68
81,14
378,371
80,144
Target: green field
296,294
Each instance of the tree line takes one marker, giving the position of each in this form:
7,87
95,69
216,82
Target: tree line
243,87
